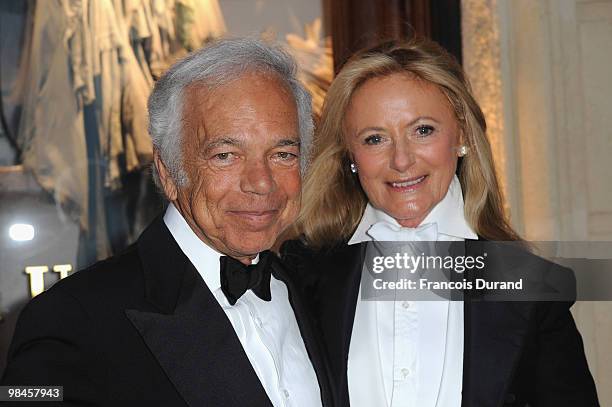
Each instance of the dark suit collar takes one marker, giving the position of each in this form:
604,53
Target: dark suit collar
163,264
337,298
494,333
348,311
188,332
308,331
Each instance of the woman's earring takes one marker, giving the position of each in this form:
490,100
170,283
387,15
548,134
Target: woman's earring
353,168
462,151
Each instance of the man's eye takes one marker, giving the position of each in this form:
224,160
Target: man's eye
373,139
424,130
223,156
284,155
284,158
226,158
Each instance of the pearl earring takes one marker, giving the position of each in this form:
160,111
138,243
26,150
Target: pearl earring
353,168
462,151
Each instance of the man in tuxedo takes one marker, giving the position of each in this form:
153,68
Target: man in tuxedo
197,312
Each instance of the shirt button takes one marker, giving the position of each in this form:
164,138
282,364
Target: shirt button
405,372
407,304
285,393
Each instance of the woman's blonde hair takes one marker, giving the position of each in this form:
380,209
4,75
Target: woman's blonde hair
333,200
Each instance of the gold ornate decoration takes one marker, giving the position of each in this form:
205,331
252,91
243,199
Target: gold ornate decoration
482,63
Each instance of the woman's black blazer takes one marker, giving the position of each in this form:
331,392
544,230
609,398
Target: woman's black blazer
515,353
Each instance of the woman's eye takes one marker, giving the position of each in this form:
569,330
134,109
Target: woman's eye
373,139
423,131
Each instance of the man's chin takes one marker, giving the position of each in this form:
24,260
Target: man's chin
250,243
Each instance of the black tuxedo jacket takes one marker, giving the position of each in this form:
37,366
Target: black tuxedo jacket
515,353
143,329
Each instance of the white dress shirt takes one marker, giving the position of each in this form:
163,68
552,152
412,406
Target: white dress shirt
267,330
407,353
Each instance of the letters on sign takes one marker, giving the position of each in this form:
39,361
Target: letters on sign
37,276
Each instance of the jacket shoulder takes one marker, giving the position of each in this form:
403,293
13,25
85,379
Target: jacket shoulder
116,281
329,265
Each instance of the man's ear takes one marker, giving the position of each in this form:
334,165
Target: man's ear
167,182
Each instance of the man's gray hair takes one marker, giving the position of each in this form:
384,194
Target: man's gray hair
217,64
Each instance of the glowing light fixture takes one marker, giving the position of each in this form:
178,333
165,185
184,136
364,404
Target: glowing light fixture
21,232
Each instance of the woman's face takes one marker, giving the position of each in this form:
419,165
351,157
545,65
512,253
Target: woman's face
403,137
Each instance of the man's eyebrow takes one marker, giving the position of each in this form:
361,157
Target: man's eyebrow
225,141
288,142
230,141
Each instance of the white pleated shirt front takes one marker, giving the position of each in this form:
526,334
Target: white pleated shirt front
409,353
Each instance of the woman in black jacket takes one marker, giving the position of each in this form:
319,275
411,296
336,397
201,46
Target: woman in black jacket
401,154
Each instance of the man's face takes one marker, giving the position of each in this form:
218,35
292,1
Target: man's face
241,156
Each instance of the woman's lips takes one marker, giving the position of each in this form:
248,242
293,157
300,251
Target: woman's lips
410,184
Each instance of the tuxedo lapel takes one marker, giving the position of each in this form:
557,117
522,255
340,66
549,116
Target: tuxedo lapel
494,334
188,332
310,337
338,301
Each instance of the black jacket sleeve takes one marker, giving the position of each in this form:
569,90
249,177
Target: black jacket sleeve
562,376
52,346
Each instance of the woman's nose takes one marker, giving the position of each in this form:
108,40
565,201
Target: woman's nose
402,156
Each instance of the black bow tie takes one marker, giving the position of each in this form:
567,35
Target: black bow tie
237,278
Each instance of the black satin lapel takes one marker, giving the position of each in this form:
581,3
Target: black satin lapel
198,349
163,264
466,391
494,334
311,337
343,294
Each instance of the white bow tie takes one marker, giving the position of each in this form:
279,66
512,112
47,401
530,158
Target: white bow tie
387,232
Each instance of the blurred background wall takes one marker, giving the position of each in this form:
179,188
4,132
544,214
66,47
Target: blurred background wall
540,68
280,17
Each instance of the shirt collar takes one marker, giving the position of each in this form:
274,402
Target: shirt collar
204,258
447,214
